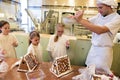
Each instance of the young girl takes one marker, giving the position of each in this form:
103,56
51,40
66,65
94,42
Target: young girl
8,42
58,43
34,45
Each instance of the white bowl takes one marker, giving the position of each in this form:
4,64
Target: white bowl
67,20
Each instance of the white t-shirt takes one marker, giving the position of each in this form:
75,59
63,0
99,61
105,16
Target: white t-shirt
35,50
57,48
6,44
112,22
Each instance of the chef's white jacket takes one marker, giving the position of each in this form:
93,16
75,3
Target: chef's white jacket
101,53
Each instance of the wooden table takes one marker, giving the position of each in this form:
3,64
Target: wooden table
13,74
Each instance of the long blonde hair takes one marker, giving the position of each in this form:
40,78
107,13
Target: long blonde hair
58,25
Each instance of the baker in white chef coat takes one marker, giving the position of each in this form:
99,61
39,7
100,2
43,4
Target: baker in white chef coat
104,26
58,43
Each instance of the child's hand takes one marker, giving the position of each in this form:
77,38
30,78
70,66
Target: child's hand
2,51
67,44
15,44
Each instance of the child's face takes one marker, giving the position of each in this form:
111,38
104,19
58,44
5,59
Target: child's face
60,31
5,29
35,41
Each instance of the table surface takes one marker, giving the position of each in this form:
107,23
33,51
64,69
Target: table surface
13,74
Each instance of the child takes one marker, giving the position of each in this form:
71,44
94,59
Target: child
34,45
8,42
58,43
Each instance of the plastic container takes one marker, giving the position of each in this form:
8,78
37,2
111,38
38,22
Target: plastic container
35,75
